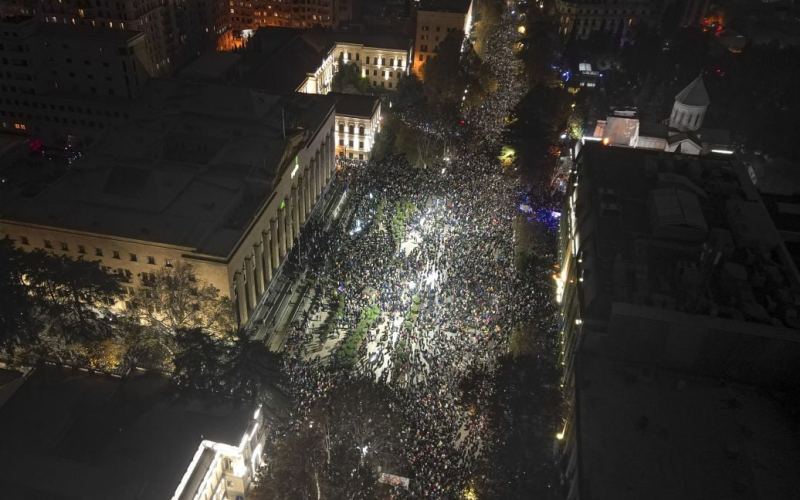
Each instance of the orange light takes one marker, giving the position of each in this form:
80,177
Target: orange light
606,141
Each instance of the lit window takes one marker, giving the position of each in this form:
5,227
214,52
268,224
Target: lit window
168,263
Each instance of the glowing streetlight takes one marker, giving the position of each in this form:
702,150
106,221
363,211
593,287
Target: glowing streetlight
521,29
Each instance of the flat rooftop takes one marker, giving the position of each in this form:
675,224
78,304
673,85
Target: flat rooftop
362,106
191,168
684,233
660,435
455,6
72,434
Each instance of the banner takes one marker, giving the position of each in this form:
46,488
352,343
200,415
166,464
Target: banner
394,480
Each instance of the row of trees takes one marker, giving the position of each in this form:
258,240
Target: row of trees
64,309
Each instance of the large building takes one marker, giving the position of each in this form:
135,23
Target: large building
67,81
175,31
309,59
221,178
679,304
583,18
435,20
97,436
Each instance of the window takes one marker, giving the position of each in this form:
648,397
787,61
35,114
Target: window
81,249
151,260
98,252
351,143
383,74
349,56
421,57
383,61
48,244
24,240
367,59
341,142
358,56
360,144
351,129
341,128
399,61
391,61
167,263
374,72
64,247
116,254
134,258
361,157
361,130
438,28
390,84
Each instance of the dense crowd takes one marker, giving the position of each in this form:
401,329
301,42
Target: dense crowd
433,250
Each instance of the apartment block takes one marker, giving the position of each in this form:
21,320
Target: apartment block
66,84
435,20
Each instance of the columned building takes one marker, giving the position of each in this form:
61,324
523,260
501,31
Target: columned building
221,178
582,18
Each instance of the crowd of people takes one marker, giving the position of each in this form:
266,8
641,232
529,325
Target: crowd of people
433,250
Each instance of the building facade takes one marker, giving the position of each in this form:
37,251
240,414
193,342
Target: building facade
435,20
382,60
584,18
223,470
247,16
174,31
220,178
358,121
67,81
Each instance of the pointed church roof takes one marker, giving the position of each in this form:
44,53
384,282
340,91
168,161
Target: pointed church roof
694,94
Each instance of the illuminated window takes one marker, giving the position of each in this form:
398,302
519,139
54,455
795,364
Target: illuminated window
167,263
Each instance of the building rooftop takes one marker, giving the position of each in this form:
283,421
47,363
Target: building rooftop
645,433
694,94
98,437
281,58
210,66
191,168
363,106
684,233
455,6
378,40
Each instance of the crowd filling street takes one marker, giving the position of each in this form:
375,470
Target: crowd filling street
428,255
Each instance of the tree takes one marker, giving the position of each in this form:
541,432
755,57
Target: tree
175,299
445,76
348,79
19,323
237,367
74,295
